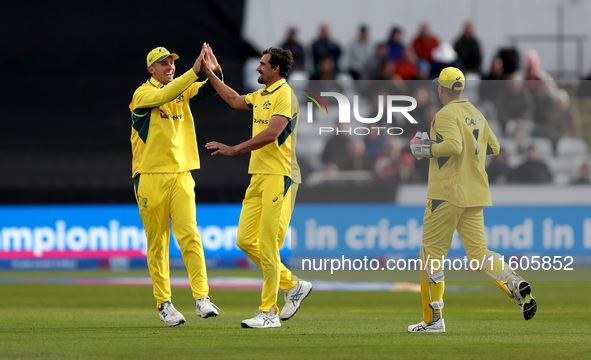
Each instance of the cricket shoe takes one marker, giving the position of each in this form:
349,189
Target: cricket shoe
293,299
205,308
522,293
170,315
264,319
434,327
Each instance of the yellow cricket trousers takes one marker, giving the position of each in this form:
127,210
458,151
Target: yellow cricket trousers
264,219
162,198
440,221
443,219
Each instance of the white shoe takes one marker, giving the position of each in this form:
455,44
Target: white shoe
170,315
205,308
434,327
264,319
522,294
293,299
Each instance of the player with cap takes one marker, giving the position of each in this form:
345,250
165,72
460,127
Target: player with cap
164,148
457,147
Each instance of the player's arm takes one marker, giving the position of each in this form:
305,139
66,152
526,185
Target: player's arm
493,147
151,97
276,126
227,93
449,137
200,91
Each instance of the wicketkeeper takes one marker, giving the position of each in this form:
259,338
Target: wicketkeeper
457,147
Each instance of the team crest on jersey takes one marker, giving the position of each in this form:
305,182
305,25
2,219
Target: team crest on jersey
180,98
145,203
266,105
163,115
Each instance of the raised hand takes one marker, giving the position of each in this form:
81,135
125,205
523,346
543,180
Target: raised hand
212,60
199,62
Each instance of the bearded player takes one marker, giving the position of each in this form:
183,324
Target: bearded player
269,199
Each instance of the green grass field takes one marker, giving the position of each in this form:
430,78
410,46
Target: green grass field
44,321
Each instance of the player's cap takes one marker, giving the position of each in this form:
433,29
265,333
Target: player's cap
451,78
159,54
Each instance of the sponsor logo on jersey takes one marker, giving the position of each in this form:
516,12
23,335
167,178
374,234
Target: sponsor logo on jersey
260,121
170,116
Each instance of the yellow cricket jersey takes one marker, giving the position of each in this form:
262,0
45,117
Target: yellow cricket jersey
457,171
278,157
163,131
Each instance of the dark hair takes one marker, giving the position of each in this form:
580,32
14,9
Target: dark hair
453,92
280,57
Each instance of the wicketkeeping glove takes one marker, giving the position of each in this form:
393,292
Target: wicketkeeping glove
420,145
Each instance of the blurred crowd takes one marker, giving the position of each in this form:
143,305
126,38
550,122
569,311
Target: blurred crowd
541,133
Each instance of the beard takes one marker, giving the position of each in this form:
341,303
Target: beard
260,79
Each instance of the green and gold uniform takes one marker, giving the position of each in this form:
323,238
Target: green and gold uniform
457,191
269,199
164,150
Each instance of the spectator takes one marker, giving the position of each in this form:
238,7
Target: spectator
393,164
324,46
357,158
423,70
584,177
514,101
510,58
443,56
325,69
299,56
406,67
492,84
386,71
360,52
468,49
325,72
563,120
374,63
374,142
424,43
499,172
533,170
535,76
395,44
335,149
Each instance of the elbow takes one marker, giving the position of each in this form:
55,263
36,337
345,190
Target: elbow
271,137
235,103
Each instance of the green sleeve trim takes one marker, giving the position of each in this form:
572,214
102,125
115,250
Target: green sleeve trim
287,181
207,90
141,122
287,131
489,150
440,160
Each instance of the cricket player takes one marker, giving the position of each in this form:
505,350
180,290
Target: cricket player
269,199
164,150
458,188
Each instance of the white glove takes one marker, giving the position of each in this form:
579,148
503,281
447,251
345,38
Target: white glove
420,145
